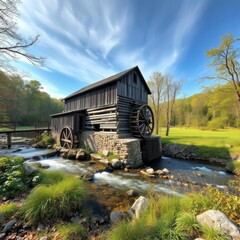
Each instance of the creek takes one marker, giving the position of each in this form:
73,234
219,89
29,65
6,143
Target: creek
107,191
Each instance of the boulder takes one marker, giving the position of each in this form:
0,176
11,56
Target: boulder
64,152
72,154
165,171
147,174
29,169
132,193
150,170
139,207
116,216
95,156
116,163
81,155
218,220
159,172
104,161
88,176
44,165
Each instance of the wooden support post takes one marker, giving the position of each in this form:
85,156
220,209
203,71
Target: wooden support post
9,140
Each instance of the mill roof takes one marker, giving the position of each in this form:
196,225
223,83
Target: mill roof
108,80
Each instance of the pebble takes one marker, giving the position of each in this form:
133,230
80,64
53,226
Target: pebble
9,225
2,235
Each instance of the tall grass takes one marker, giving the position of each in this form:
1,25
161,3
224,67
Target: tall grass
71,231
54,201
7,210
174,218
234,167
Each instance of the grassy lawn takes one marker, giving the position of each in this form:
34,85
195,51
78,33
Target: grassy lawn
210,143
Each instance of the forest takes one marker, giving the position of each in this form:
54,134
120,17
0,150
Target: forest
24,102
215,107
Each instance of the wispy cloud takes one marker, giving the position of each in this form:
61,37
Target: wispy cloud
90,40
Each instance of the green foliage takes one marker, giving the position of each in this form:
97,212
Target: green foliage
110,155
13,178
47,139
125,230
213,234
52,177
234,167
7,210
55,201
25,102
212,198
73,231
174,218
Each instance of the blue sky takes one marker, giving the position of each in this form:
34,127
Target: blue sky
87,40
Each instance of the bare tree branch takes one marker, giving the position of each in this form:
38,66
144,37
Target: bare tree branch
14,46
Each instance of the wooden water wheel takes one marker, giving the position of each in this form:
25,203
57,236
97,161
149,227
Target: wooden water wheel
142,121
67,138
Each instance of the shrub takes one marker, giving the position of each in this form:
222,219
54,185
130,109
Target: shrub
47,139
7,210
212,198
71,231
55,201
13,178
234,167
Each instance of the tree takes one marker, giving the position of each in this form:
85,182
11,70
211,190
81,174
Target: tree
171,90
156,85
226,62
13,45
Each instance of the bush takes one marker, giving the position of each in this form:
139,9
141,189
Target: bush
71,231
55,201
47,139
234,167
7,210
212,198
13,178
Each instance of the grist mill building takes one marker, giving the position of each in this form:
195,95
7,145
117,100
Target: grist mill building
111,114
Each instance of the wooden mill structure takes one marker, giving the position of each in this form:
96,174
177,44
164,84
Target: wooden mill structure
117,104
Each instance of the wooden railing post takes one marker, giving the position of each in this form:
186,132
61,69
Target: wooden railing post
9,140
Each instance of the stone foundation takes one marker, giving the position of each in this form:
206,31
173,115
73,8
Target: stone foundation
134,151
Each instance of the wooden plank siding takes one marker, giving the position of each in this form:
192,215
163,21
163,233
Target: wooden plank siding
59,122
131,86
106,107
103,96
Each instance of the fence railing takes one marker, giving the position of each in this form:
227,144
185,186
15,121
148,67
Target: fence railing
16,125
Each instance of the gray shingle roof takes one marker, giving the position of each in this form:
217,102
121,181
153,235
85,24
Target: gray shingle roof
108,80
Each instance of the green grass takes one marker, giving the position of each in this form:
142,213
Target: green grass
54,201
174,218
209,143
234,167
7,210
71,231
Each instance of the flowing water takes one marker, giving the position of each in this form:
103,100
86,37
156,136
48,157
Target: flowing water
108,190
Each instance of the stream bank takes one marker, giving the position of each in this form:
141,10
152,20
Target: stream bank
109,191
